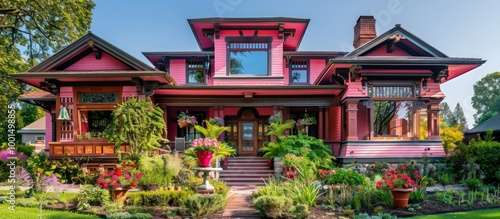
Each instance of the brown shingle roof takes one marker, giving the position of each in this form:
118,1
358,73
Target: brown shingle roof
38,125
38,94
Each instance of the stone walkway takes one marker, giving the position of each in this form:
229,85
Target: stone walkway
241,204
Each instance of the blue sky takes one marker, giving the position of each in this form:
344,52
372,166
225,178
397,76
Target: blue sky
458,28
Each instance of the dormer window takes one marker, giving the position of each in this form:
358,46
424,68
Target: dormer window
299,72
195,72
248,57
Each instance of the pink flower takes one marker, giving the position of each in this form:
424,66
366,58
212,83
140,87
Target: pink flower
127,177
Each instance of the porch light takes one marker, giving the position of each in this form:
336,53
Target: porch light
63,114
424,84
248,94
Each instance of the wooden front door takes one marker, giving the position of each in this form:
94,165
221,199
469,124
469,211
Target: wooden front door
247,139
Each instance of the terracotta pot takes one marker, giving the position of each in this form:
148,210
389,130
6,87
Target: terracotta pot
120,195
401,197
290,172
182,124
204,158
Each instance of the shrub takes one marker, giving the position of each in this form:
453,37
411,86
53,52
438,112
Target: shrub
273,188
349,176
127,215
272,206
198,205
159,197
304,193
486,156
300,211
91,195
377,169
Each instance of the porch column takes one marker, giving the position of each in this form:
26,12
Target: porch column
352,119
433,120
216,112
165,118
221,115
321,122
326,134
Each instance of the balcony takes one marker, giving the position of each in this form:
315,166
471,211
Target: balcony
94,148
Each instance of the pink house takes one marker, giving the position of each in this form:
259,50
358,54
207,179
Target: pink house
371,104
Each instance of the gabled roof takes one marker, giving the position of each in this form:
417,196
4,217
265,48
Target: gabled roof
492,123
81,44
409,40
207,29
37,126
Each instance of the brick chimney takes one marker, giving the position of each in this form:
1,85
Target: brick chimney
364,31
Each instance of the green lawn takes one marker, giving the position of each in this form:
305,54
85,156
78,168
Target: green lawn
489,213
28,213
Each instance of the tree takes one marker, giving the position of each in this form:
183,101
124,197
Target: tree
138,123
450,135
486,91
30,31
459,118
492,111
445,113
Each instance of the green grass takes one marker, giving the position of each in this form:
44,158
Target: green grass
488,213
28,213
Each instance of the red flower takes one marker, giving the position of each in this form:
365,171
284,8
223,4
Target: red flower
133,184
404,168
119,172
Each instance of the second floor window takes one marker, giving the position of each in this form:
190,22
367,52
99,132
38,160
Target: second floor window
248,58
299,72
195,72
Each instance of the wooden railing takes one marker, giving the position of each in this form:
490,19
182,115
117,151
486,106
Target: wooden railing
84,148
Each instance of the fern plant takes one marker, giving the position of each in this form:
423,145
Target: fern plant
138,123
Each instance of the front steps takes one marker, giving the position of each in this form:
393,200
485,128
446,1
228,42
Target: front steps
246,171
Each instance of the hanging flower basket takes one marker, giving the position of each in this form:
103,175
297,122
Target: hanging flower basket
185,120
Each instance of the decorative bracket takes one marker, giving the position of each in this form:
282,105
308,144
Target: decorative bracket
97,52
393,40
440,74
163,64
353,72
216,30
145,87
281,28
51,86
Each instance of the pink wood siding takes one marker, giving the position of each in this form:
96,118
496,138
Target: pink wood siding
316,66
383,150
276,58
129,91
363,121
355,89
286,73
178,70
48,129
90,63
382,51
334,124
432,89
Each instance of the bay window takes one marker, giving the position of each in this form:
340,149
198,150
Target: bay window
248,57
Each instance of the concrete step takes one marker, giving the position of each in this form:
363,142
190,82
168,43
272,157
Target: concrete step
230,175
238,163
261,183
247,168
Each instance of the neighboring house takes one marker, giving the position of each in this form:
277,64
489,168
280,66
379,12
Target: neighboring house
493,123
34,134
368,103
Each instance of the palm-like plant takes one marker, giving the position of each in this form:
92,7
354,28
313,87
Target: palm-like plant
280,147
211,131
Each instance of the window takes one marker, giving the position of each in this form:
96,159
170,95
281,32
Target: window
40,139
248,58
299,72
94,108
195,71
394,111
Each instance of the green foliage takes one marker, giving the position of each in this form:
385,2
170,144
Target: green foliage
300,211
221,188
29,212
486,91
272,188
379,215
450,136
457,118
126,215
385,195
138,123
304,192
91,195
29,32
378,168
160,169
198,205
272,206
66,169
347,176
279,147
485,153
159,197
24,115
112,207
212,130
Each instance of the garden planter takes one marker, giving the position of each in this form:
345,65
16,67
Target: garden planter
204,158
290,172
120,195
401,197
184,124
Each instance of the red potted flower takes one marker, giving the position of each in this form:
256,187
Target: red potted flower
120,180
205,148
401,186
